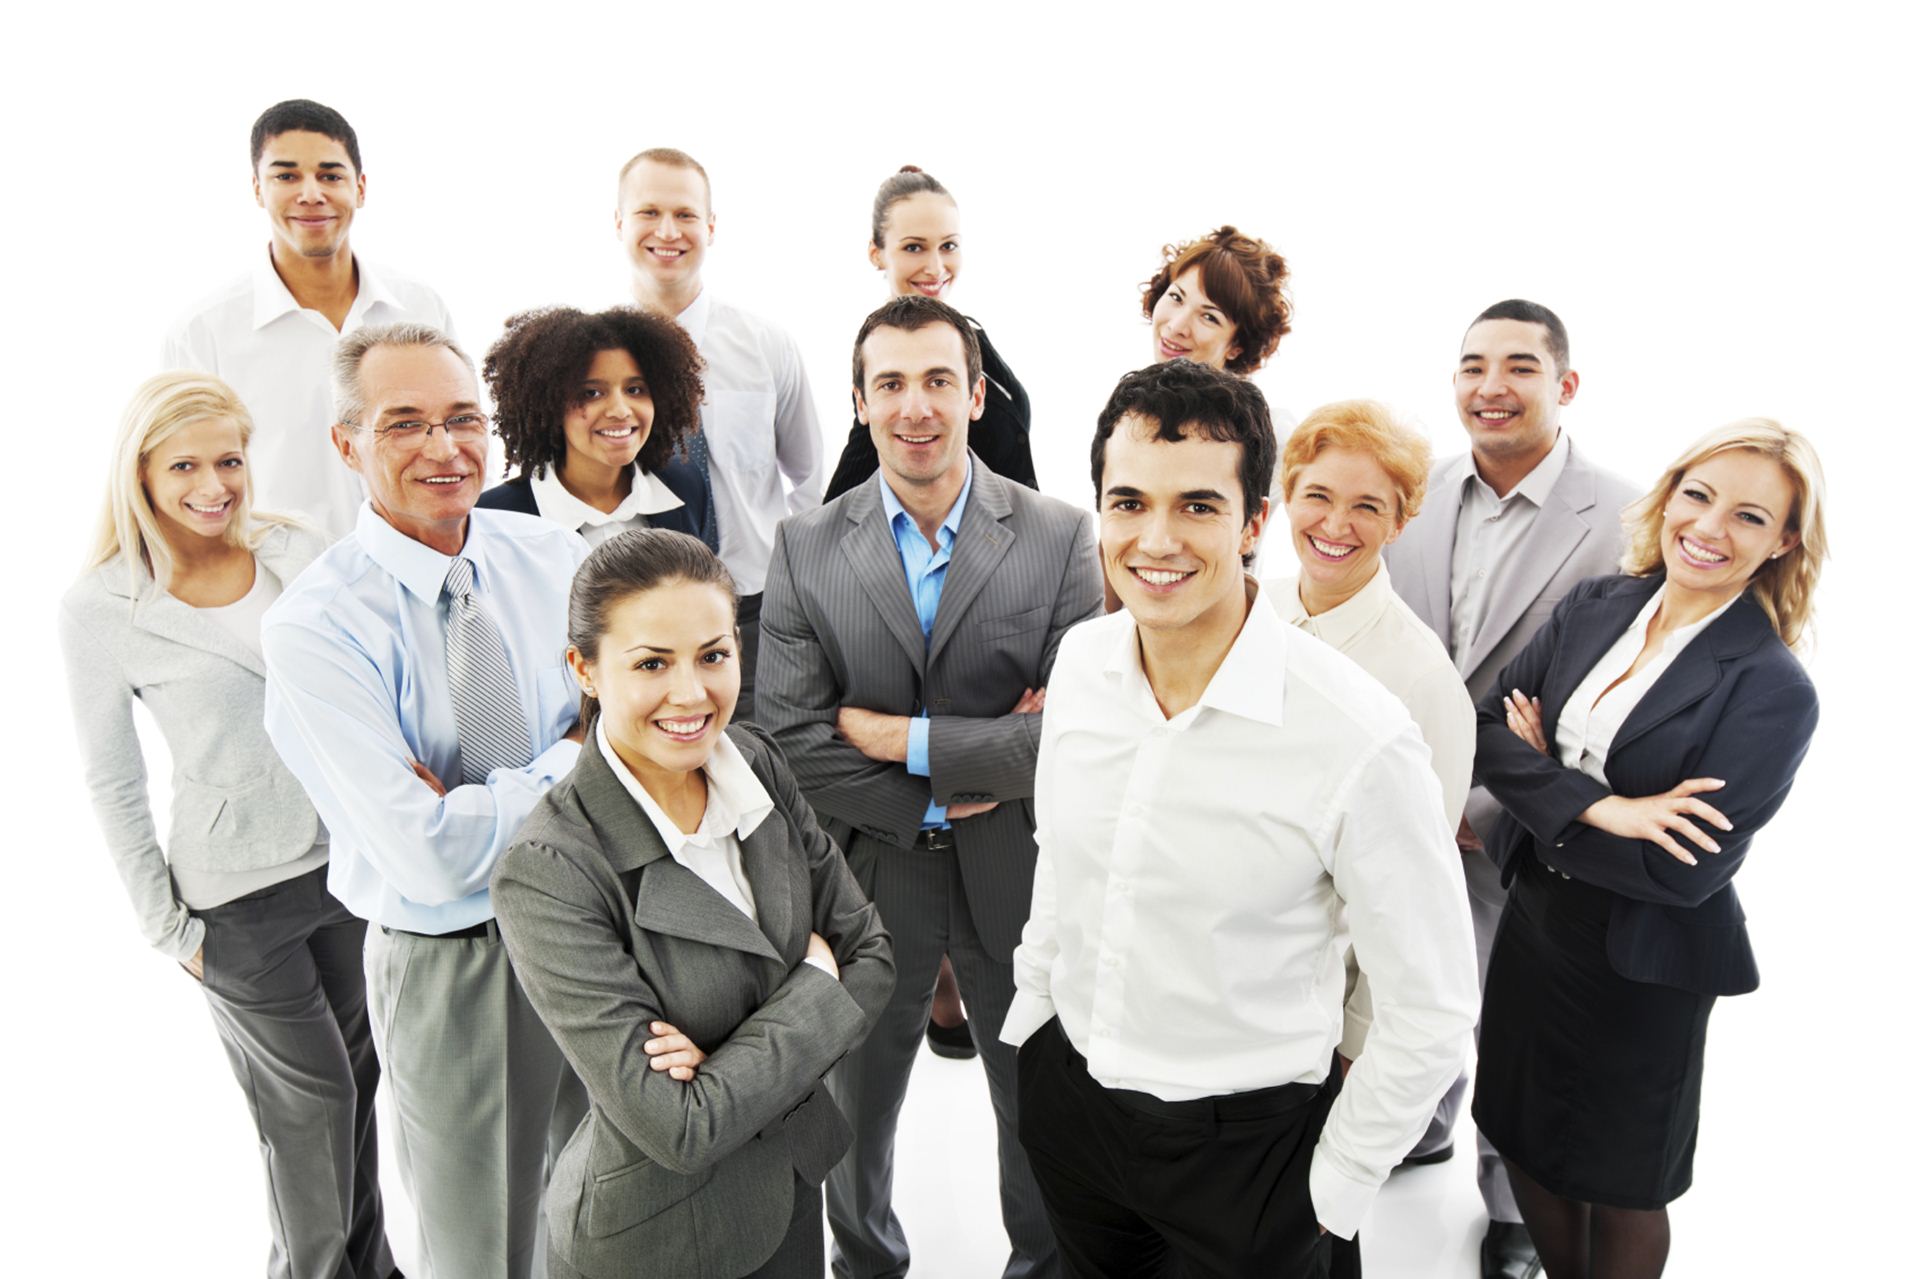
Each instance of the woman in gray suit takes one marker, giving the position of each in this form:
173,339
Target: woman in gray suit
169,612
692,938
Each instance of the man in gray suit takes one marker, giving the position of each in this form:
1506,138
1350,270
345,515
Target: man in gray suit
1506,530
908,632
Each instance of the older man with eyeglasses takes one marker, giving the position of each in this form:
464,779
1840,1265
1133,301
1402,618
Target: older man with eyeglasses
416,685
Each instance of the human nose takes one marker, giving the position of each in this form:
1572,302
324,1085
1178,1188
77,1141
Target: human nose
439,442
310,189
1157,538
684,687
669,229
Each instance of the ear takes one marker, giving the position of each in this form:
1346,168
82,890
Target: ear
619,221
1233,353
1394,536
1256,524
712,219
359,190
347,442
978,404
1788,541
582,669
860,407
258,197
874,256
1569,384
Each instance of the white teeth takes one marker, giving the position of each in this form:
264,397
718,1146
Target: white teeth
1699,552
1494,415
682,727
919,439
208,510
1329,549
618,432
1159,577
445,479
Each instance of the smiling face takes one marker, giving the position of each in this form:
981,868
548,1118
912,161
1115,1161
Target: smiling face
1344,510
424,492
665,676
1172,529
196,479
308,186
664,222
614,414
916,403
922,252
1187,325
1508,391
1725,519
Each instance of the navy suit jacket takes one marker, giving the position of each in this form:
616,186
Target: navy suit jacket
1735,704
681,476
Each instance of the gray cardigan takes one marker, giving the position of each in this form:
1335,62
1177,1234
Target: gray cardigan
235,805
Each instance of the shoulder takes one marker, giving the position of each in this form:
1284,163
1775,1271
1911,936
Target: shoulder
555,849
750,327
418,300
215,312
1085,648
1449,469
515,494
1420,649
1033,507
529,535
820,522
291,543
312,598
1610,490
101,596
1334,693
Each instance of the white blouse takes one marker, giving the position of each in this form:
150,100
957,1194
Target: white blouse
649,496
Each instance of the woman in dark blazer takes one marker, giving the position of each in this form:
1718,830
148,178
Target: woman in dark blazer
1646,733
694,941
916,246
594,411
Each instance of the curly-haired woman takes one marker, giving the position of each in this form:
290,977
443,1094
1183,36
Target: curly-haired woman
1218,300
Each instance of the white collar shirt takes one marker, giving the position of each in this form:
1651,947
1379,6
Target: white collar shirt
736,805
1490,535
761,427
278,356
649,496
1199,879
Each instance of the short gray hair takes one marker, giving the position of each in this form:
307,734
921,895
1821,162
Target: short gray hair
349,400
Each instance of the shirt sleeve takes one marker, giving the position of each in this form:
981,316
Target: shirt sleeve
796,432
1039,946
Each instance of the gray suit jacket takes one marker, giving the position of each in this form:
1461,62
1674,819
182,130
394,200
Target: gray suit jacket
838,628
235,805
1576,536
608,933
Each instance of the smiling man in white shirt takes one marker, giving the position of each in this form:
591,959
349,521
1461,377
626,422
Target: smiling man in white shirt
1221,801
270,333
758,424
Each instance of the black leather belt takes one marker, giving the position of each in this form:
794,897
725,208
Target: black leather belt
472,933
936,839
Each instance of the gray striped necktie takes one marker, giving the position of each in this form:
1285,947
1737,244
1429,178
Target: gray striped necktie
701,456
486,706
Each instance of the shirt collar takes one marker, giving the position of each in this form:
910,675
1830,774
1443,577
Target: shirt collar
736,801
694,318
273,299
1251,681
650,496
949,524
1341,624
1539,481
415,565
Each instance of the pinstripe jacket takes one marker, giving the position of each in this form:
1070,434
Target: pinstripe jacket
838,628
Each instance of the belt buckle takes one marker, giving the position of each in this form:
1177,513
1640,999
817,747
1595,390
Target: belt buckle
938,839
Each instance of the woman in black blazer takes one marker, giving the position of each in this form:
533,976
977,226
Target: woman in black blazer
593,410
1644,735
916,245
694,941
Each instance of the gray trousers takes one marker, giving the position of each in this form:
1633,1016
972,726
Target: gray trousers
1486,899
920,899
285,986
482,1100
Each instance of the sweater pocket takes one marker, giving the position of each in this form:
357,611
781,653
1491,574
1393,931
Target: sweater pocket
264,821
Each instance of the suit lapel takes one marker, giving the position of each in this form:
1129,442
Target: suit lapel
1433,552
875,559
770,863
1557,532
161,614
1695,670
983,541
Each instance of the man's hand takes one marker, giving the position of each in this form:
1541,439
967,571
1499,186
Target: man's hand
877,736
1467,840
425,774
1032,702
959,812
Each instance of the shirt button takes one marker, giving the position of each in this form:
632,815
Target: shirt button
1109,960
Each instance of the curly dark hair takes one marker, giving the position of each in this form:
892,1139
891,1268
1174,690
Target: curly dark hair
1244,277
536,369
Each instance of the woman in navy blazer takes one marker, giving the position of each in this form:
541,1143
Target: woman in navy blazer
1647,732
592,410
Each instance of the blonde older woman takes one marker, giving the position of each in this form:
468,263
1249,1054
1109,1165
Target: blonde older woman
168,612
1637,745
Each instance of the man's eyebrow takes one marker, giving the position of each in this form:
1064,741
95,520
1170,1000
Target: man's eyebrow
408,410
294,164
1203,495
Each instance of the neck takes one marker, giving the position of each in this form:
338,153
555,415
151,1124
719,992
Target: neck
193,555
1503,473
927,504
448,538
1683,606
682,796
1318,598
668,300
1181,662
600,486
316,283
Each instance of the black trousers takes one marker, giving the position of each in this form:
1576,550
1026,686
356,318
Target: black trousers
1136,1186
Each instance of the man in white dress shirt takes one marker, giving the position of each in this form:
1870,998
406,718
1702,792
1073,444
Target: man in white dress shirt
758,424
270,333
1221,800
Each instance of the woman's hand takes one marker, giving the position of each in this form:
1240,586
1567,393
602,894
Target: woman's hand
1523,717
818,949
197,967
671,1051
1653,817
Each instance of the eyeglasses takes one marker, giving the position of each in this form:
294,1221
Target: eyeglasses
412,433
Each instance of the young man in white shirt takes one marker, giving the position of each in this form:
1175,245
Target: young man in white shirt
1221,802
270,333
758,424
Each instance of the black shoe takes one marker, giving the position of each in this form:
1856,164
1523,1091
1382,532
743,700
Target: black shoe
1507,1252
1439,1156
952,1042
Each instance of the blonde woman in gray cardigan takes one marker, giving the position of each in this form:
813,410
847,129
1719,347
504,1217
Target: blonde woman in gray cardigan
168,612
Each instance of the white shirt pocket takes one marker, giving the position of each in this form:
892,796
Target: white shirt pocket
739,429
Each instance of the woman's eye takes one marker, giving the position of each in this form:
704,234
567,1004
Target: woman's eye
649,664
714,657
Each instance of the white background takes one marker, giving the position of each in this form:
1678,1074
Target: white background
1716,200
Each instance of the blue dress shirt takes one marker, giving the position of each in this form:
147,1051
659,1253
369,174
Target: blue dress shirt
357,690
926,568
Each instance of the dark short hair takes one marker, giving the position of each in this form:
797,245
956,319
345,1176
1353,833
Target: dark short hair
1244,277
1533,313
301,115
910,181
1188,400
535,371
912,313
628,565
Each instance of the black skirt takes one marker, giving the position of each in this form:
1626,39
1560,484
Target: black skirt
1589,1083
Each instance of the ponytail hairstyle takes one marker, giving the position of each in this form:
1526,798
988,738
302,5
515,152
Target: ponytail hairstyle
910,181
628,565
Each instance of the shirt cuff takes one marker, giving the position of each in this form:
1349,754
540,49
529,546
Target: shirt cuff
556,761
821,964
1339,1202
1028,1013
936,814
917,762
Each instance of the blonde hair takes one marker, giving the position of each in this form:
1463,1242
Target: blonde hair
1365,426
1782,587
161,407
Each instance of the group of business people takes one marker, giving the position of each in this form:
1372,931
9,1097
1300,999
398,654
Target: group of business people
466,795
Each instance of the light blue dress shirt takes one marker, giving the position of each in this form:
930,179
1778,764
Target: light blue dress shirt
357,690
926,568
